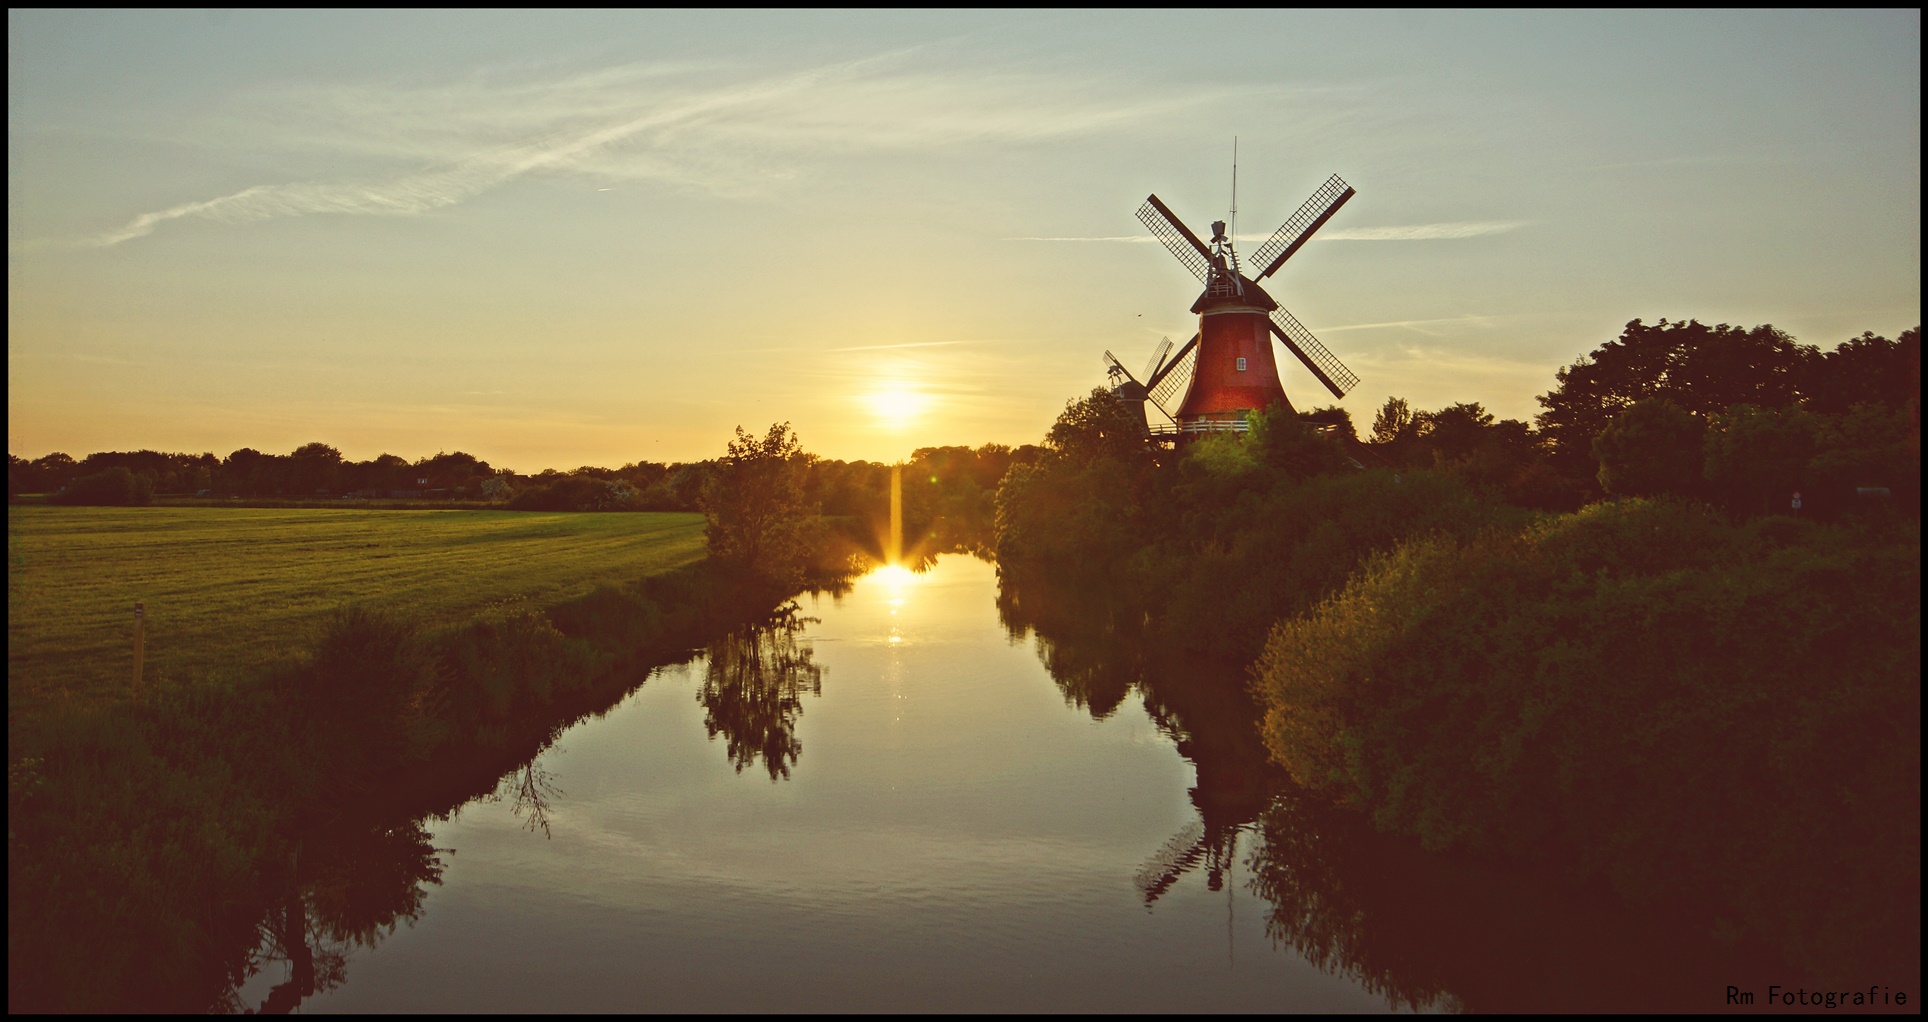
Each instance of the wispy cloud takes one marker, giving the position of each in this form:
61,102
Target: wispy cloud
1130,238
1423,232
1405,232
687,125
1420,325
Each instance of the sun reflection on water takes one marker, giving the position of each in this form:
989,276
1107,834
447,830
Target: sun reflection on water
897,581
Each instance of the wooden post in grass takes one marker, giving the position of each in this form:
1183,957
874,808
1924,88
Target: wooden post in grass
140,638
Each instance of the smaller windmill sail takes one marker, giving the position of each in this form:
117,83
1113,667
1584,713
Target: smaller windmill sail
1116,372
1179,239
1330,371
1157,360
1167,387
1300,227
1181,853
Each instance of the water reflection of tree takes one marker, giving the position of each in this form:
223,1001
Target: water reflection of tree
1092,648
753,688
345,888
1426,930
1420,929
1095,649
531,789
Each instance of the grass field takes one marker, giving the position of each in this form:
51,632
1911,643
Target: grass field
232,589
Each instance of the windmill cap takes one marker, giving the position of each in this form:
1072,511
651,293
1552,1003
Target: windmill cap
1219,296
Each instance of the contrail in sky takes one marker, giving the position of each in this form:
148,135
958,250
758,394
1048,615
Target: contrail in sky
706,138
1408,232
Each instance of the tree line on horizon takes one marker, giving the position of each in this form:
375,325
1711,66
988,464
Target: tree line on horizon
1738,416
1742,418
958,481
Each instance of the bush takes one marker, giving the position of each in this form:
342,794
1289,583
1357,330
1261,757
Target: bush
578,493
115,487
1651,448
1717,716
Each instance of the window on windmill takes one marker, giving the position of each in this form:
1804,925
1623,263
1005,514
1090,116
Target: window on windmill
1241,365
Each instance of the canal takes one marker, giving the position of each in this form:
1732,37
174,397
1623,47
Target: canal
906,797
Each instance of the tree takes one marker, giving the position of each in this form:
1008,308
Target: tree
1868,370
1394,421
1701,369
759,518
1292,444
1333,415
116,486
315,467
1102,425
1757,457
1651,448
1456,431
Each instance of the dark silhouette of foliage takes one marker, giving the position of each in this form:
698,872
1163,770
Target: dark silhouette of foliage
1650,449
759,516
754,681
1394,423
1098,426
578,493
1868,370
115,486
1635,687
1757,458
1293,444
1699,368
1333,417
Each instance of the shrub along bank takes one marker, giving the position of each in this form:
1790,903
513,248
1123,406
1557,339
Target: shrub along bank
139,836
1718,713
1718,716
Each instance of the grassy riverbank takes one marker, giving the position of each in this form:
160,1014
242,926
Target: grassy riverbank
232,590
141,835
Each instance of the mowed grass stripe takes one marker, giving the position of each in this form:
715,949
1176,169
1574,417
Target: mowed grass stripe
235,588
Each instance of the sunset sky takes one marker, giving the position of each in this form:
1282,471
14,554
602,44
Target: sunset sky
554,239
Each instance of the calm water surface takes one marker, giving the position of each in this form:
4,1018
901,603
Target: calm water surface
951,834
906,798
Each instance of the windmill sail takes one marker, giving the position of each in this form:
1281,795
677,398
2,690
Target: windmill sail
1330,371
1177,375
1171,364
1300,227
1166,227
1157,360
1181,853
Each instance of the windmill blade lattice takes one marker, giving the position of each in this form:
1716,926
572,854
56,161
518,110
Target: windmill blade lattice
1172,382
1157,358
1181,853
1330,371
1179,239
1301,226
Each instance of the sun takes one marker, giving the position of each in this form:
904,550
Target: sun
897,404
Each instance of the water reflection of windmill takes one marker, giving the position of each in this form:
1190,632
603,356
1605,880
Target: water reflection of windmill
1195,844
1226,370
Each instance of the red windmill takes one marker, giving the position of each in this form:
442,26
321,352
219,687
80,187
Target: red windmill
1226,370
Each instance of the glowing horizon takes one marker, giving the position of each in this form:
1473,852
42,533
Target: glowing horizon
552,239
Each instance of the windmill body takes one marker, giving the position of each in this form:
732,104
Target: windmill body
1234,373
1227,370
